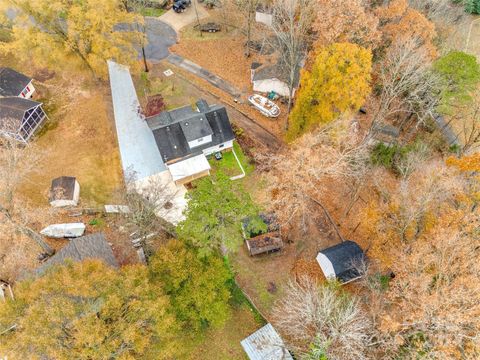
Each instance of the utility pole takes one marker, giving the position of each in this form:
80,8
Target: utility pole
198,19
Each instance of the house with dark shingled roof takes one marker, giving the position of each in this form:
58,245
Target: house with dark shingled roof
186,135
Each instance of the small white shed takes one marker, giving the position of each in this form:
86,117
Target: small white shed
65,191
342,262
266,78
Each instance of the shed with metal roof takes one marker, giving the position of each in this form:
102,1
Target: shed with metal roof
265,344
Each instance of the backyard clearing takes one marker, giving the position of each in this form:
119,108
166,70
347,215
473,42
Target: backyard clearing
224,343
77,140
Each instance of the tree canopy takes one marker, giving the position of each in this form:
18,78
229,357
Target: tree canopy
197,286
88,310
56,32
459,73
216,207
337,83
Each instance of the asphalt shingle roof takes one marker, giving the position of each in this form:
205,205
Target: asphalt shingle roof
12,82
15,107
172,139
345,258
92,246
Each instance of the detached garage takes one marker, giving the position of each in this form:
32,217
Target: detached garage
342,261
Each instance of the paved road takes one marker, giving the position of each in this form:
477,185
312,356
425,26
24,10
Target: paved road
160,37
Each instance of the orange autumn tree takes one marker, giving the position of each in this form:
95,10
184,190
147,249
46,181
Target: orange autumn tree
346,21
401,22
338,82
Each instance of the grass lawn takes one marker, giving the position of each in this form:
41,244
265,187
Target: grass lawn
148,11
229,165
77,140
224,343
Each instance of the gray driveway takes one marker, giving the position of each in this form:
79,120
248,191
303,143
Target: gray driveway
160,37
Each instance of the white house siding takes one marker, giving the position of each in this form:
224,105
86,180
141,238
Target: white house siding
27,93
267,85
200,141
326,266
220,147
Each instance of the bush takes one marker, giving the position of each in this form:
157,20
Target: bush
472,6
394,157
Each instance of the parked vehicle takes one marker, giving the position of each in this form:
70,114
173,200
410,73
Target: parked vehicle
181,5
265,106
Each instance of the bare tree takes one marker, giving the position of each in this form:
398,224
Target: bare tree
435,291
407,86
148,204
248,8
17,163
140,25
292,23
465,121
304,170
320,315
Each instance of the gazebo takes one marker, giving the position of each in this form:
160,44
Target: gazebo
20,118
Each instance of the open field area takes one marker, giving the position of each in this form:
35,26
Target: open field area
224,343
77,140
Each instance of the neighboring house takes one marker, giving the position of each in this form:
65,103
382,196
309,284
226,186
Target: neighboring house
265,344
13,83
267,78
185,136
92,246
65,191
343,262
20,118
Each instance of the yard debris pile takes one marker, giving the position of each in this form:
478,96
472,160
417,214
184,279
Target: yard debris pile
264,243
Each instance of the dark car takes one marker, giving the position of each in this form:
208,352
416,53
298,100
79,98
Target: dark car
181,5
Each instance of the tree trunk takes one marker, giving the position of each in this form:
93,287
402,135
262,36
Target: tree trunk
38,239
144,59
249,31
